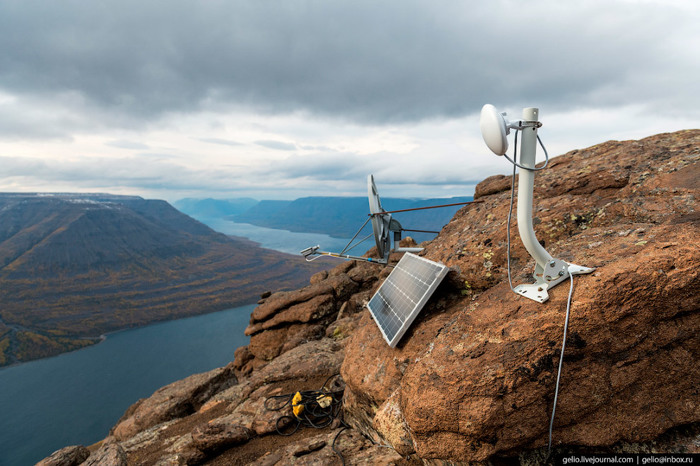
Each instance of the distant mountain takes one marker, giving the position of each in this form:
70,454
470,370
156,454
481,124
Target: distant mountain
339,217
74,266
342,216
214,207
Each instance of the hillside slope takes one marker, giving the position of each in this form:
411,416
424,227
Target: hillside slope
73,267
340,217
472,381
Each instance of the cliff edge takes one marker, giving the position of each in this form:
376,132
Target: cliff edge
473,379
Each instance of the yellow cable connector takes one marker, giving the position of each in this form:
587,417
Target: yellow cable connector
297,406
324,401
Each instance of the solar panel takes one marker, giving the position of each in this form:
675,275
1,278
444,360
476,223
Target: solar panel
403,294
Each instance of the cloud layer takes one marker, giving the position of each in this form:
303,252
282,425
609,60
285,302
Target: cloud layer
133,73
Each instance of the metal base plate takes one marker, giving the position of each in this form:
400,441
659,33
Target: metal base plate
555,272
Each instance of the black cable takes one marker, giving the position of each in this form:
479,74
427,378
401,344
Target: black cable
313,413
337,452
561,361
532,169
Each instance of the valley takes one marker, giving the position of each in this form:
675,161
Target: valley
75,266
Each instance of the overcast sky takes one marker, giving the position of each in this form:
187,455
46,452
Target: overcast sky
283,99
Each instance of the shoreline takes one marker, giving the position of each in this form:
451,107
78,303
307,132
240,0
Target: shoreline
103,336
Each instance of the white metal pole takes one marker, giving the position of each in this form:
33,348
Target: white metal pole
526,184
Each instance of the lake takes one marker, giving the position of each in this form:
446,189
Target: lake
75,398
282,240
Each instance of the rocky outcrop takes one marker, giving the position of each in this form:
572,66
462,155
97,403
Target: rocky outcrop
173,401
284,320
472,381
68,456
476,379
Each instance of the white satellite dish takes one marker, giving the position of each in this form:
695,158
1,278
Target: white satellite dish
382,226
381,222
494,129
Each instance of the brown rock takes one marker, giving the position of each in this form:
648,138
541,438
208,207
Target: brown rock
172,401
356,450
492,185
283,300
342,268
269,344
68,456
218,434
109,454
318,277
305,334
477,379
343,286
269,459
254,414
358,301
315,359
391,426
313,309
252,329
241,357
309,447
342,328
365,273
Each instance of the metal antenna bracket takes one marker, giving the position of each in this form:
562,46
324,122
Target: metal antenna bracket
553,273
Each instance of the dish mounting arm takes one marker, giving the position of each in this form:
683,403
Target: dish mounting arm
549,271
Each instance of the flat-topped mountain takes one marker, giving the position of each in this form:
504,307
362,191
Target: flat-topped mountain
339,217
73,266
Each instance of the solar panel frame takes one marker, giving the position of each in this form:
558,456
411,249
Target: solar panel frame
404,293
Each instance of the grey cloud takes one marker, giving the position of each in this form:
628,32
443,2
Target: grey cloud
391,169
317,148
224,142
319,167
277,145
393,61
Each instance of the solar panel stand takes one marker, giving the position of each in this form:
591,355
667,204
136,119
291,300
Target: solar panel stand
397,241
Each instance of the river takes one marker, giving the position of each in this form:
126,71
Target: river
75,398
282,240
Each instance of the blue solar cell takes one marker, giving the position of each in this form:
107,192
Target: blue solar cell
403,294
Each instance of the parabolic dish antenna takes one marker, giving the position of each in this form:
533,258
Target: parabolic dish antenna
380,222
494,129
383,226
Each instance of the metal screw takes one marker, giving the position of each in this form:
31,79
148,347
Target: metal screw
561,272
552,263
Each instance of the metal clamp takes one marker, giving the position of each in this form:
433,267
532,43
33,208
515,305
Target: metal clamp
549,276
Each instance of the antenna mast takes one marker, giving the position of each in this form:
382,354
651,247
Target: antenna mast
549,271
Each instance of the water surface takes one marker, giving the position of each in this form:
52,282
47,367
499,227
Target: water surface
75,398
282,240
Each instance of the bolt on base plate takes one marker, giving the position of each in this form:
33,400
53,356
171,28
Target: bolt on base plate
555,272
